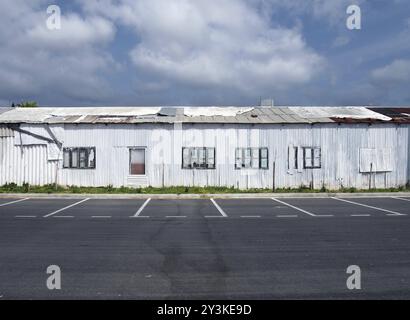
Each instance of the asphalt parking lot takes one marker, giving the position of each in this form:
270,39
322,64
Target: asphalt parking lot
268,208
205,248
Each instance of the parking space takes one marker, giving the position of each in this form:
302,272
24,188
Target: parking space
331,207
203,208
263,208
390,205
32,208
256,208
7,201
100,209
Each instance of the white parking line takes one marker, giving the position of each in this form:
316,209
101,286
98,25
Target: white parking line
360,215
141,208
398,198
301,210
215,217
219,209
101,217
16,201
287,216
175,217
250,216
394,213
25,217
65,208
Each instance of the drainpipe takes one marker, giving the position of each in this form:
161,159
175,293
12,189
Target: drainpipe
273,181
370,176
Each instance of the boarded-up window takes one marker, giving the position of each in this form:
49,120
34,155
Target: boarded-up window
264,158
137,161
376,160
74,158
66,158
292,157
312,158
198,158
79,158
251,158
83,158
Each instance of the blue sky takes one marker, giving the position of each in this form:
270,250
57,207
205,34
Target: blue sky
205,52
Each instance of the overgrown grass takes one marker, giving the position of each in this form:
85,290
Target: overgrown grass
25,188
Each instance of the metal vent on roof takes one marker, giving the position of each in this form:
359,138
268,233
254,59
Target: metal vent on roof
168,112
267,103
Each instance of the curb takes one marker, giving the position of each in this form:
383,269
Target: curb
204,196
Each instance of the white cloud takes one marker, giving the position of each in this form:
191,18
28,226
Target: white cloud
208,43
52,65
397,72
75,32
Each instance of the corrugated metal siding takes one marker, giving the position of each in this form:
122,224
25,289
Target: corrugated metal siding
408,155
340,155
27,164
6,132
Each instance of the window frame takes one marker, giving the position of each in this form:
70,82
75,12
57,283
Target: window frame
201,166
312,157
78,150
145,161
295,164
243,158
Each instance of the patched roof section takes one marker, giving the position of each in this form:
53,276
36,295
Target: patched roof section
399,115
243,115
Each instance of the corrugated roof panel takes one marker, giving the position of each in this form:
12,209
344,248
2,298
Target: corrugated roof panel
283,115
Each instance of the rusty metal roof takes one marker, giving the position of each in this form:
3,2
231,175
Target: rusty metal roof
243,115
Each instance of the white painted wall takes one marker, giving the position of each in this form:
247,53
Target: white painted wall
340,145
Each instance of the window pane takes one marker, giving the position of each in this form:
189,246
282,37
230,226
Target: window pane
186,162
264,163
66,158
264,153
308,157
247,158
83,158
194,157
210,157
201,157
137,161
316,157
238,158
91,158
296,157
74,158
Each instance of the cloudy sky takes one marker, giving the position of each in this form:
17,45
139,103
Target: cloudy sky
205,52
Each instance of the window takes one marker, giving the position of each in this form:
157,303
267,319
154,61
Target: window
79,158
251,158
137,161
198,158
293,157
312,158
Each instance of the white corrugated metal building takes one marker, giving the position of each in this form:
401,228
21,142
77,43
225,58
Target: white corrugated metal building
243,147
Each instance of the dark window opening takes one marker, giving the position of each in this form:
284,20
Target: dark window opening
251,158
198,158
312,158
137,161
79,158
